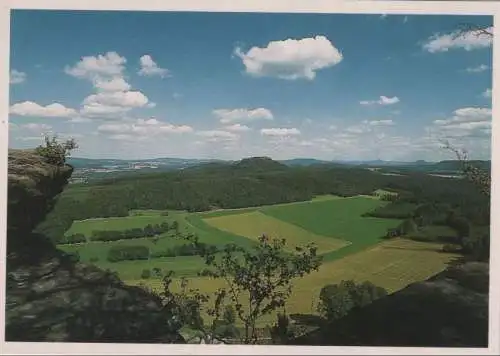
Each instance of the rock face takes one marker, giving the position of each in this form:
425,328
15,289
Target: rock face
51,298
449,310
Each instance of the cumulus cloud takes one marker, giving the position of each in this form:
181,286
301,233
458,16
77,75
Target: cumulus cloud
17,77
227,116
290,59
142,128
112,103
92,67
468,40
128,99
112,84
29,108
464,122
280,132
478,69
150,68
383,100
237,128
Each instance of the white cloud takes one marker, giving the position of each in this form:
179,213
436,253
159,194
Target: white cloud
332,127
218,135
113,84
465,122
383,100
150,68
478,69
291,59
36,127
127,99
280,132
93,67
142,128
227,116
468,40
29,108
237,128
487,93
17,77
99,110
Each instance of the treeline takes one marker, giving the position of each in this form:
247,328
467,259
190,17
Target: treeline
245,185
141,252
149,230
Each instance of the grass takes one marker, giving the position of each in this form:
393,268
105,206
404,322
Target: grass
337,218
392,264
86,227
255,224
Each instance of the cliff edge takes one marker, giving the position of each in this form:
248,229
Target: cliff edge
49,297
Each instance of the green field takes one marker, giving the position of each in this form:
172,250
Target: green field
351,245
392,264
255,224
338,218
86,227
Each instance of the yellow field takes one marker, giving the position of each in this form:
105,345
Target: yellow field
392,265
254,224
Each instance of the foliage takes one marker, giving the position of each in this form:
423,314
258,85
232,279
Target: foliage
258,282
122,253
56,152
75,238
262,275
337,300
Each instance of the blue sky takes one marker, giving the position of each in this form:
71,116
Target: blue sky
233,85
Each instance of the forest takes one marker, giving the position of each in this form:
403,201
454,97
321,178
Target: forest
421,198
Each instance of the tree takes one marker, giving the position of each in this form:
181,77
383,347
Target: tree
258,279
336,300
56,152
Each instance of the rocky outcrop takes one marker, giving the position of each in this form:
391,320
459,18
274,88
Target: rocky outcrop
51,298
449,310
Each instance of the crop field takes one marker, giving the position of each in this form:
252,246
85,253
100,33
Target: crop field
351,245
392,264
255,224
337,218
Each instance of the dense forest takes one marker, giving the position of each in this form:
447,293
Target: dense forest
426,199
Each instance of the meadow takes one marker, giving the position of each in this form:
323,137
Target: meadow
352,246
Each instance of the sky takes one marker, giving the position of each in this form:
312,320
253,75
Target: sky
232,85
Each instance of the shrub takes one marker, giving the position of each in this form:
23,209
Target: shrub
145,274
75,238
336,300
123,253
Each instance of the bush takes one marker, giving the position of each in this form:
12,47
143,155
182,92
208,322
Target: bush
145,274
75,238
124,253
336,300
94,259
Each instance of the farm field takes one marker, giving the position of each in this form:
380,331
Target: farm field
333,223
254,224
392,264
337,218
